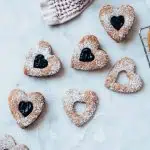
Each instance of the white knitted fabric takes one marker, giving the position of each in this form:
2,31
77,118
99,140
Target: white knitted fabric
59,11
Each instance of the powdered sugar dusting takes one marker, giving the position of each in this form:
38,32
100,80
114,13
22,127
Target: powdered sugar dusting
37,100
7,142
135,82
101,57
88,97
108,11
45,49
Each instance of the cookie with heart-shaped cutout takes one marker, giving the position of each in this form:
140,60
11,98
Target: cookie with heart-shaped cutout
40,62
117,21
26,108
88,55
60,11
7,142
128,66
74,96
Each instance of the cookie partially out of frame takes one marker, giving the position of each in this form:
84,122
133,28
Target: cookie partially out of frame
88,55
128,66
74,96
117,21
26,107
40,62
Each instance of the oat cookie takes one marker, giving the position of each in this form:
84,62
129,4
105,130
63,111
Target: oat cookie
74,96
126,65
117,21
59,11
8,143
25,108
40,62
88,55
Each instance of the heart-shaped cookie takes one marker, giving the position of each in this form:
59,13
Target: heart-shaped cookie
124,65
72,97
117,21
7,142
25,108
20,147
88,55
40,62
59,11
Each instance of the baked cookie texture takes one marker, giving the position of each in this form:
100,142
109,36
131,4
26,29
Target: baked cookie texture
59,11
127,65
88,55
74,96
26,108
40,62
8,143
117,21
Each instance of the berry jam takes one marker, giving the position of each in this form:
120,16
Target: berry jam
25,108
117,22
86,55
40,62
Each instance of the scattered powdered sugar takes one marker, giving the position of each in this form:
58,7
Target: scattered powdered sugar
108,11
88,97
101,58
38,101
45,49
60,11
7,142
135,82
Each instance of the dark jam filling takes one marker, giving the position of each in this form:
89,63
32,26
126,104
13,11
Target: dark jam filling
25,108
40,62
86,55
117,22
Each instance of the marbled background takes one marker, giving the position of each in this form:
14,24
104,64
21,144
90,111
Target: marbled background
122,122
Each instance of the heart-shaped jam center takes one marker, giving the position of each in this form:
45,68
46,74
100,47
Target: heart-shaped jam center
40,62
86,55
25,108
117,22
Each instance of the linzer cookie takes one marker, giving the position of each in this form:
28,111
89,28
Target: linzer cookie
8,143
124,65
59,11
88,55
25,108
117,21
72,97
40,62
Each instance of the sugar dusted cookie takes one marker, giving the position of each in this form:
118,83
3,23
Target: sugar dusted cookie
20,147
40,62
7,142
88,55
59,11
73,96
135,82
117,21
25,108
